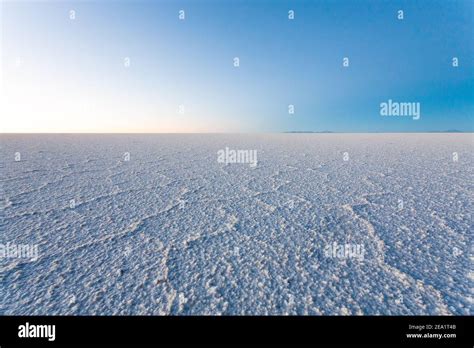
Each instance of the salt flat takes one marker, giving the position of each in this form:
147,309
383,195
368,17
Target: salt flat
174,231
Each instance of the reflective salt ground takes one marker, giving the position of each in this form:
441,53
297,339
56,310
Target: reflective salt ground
324,224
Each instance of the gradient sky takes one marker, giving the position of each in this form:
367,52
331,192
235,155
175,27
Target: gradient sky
63,75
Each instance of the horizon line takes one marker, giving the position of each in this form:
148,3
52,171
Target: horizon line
284,132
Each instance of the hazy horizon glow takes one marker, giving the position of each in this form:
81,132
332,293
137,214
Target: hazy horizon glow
63,75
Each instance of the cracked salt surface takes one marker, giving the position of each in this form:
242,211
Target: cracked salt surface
172,231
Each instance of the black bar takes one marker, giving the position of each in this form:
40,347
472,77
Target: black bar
194,331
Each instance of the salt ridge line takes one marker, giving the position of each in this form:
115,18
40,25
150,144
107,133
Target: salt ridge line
406,279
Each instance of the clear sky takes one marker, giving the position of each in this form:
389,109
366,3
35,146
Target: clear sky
70,75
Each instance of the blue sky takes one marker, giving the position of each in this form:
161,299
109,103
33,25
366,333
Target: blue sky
64,75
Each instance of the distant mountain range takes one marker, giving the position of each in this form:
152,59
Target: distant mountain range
448,131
